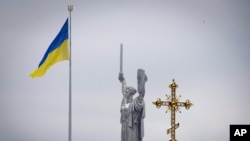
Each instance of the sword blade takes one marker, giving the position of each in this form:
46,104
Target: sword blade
121,57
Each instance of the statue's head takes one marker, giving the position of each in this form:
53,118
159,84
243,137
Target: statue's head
130,91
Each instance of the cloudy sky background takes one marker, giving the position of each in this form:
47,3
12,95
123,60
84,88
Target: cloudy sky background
203,45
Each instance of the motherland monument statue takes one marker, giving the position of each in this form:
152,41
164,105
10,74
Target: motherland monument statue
132,110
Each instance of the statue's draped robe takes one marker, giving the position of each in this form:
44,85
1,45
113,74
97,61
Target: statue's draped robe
124,120
136,120
132,118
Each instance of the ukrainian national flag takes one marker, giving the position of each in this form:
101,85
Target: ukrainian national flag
57,51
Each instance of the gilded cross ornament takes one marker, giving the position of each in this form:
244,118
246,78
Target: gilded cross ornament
173,105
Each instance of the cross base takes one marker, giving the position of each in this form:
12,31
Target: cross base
172,140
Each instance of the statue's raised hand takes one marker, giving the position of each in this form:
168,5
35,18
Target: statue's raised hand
121,77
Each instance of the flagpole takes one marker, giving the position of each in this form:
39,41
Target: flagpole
70,9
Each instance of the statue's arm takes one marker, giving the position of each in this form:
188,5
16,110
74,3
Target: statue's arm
123,81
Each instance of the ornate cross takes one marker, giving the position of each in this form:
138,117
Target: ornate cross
173,105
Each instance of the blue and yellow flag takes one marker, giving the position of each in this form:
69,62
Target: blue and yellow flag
57,51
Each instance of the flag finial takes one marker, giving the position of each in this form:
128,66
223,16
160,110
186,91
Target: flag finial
70,8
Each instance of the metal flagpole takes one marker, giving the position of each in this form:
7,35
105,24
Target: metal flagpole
70,9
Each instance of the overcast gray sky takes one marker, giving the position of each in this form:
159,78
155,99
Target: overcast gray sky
203,45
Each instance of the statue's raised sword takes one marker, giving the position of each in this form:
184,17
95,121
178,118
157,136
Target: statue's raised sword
121,57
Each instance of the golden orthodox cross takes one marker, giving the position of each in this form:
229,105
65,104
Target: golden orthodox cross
173,105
